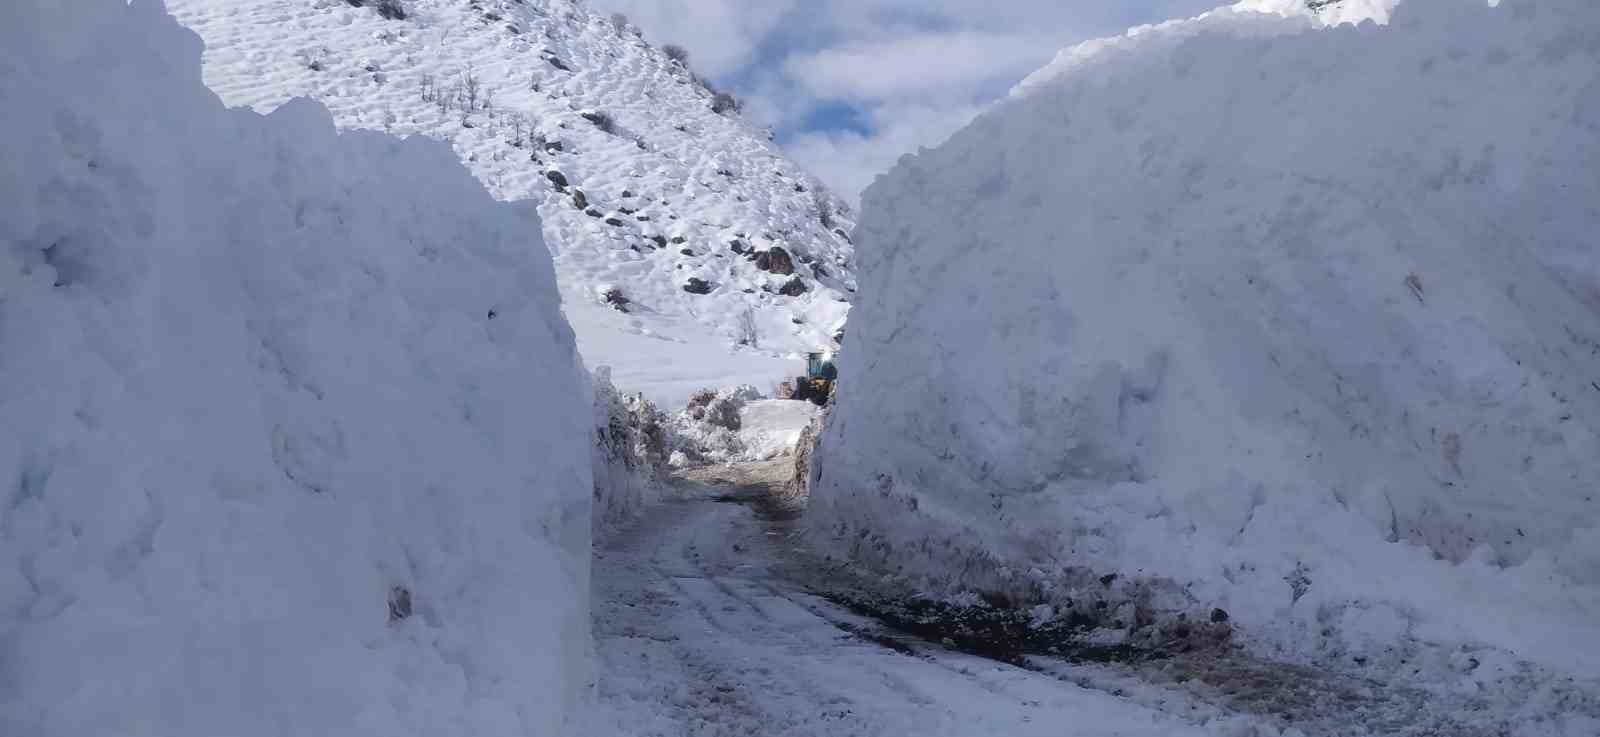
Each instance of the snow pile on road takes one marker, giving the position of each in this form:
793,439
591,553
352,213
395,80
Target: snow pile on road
1299,323
736,424
288,414
772,427
649,195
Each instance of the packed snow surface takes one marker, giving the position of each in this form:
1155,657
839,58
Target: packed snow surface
1295,320
641,184
295,436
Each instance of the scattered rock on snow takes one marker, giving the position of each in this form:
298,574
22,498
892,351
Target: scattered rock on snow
601,120
399,603
617,299
696,285
794,288
775,260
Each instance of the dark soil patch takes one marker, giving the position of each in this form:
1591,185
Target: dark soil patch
1006,635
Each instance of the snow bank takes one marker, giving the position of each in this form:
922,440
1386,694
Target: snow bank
772,427
630,454
736,424
1299,323
288,415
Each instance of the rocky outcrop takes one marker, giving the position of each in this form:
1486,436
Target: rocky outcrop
775,260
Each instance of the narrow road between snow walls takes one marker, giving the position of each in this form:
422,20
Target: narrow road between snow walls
713,617
700,633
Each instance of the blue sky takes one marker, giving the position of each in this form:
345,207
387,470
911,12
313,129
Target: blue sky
851,85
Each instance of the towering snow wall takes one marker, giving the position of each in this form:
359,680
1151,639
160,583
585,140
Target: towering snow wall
1301,323
288,437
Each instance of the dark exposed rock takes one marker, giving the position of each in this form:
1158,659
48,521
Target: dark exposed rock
601,121
614,222
591,212
617,299
399,603
775,260
793,288
696,285
387,9
738,246
579,199
557,178
687,252
660,241
679,240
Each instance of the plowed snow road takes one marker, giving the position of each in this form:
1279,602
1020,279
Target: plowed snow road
704,629
698,636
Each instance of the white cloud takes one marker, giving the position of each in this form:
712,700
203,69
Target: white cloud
849,161
921,65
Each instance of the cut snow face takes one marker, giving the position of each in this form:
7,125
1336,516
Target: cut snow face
289,414
660,210
1299,324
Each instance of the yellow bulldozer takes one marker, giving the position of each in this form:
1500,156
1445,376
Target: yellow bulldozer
817,384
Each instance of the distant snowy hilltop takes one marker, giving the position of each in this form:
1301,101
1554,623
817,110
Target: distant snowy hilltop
673,223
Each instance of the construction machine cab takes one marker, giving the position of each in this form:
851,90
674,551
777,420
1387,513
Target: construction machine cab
819,365
817,385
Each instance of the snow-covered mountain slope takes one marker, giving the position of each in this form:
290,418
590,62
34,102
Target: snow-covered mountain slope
274,464
1301,323
642,185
